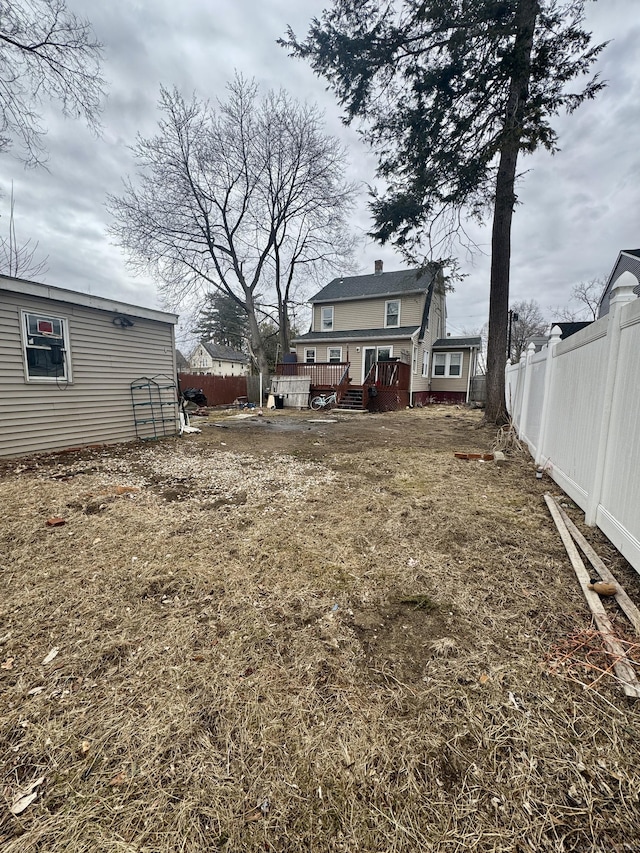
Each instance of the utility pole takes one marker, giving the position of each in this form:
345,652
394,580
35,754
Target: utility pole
513,318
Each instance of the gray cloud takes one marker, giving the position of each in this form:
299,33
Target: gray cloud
577,209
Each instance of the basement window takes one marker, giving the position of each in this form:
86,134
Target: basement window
46,348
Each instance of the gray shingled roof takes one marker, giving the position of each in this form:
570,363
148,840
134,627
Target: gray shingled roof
181,361
382,284
224,353
356,334
569,329
448,343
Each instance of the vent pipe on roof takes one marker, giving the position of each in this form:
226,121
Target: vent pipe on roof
378,267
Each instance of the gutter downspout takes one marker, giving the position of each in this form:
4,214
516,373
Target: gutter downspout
414,344
471,360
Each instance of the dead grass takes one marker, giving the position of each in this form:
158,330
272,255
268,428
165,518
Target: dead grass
322,637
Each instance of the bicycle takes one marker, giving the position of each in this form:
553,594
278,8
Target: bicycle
324,401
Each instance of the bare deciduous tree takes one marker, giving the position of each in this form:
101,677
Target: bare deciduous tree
530,323
583,303
19,259
246,196
46,53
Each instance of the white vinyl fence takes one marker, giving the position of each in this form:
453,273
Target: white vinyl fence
577,405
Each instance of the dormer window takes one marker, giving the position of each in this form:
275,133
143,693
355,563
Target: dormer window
392,313
326,319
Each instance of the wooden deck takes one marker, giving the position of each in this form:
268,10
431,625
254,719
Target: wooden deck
385,389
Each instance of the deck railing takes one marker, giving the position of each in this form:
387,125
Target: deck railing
388,374
389,384
322,374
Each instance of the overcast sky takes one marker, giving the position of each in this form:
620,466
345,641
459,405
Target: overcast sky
578,208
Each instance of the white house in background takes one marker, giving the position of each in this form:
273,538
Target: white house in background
218,360
67,362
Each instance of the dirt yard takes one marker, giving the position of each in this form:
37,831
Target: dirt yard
292,634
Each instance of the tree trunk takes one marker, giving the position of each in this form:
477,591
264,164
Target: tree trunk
505,199
255,338
496,411
284,330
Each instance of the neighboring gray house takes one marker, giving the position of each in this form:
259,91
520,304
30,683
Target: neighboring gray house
67,361
218,360
628,261
182,364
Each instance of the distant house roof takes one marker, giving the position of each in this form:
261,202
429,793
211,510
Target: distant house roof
464,343
355,335
181,361
628,260
376,284
220,352
568,329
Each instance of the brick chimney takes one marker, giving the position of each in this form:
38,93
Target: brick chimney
378,267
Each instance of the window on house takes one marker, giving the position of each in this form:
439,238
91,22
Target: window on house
326,318
46,347
455,364
447,364
310,356
392,313
425,363
414,360
334,355
384,353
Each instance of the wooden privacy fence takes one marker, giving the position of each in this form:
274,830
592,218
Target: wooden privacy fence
219,390
577,406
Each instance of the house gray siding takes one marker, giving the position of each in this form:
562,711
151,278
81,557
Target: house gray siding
626,263
95,407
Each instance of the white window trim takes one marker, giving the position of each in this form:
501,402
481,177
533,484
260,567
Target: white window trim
322,326
339,349
308,350
68,377
425,364
414,360
386,305
447,366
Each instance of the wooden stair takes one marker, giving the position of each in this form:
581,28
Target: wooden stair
352,399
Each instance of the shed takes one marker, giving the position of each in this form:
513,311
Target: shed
294,391
67,361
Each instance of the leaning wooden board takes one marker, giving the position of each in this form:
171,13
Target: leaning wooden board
623,669
629,608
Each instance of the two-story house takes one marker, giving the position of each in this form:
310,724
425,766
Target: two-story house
218,360
379,331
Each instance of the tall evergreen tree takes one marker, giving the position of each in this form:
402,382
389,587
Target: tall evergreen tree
450,93
222,320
